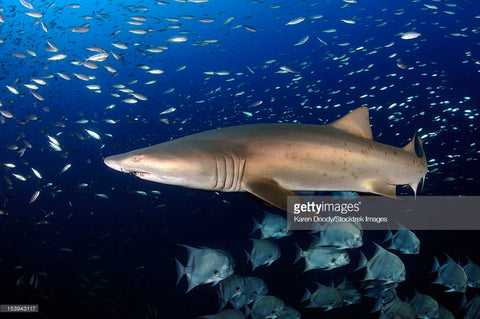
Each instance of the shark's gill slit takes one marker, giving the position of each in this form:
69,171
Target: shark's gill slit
216,174
229,172
241,171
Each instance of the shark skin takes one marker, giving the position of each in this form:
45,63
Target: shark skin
271,161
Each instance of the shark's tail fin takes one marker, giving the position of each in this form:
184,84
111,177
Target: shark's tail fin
424,158
410,147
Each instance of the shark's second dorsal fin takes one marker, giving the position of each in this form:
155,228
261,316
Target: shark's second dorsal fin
356,123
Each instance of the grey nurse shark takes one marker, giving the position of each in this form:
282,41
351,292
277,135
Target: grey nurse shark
271,161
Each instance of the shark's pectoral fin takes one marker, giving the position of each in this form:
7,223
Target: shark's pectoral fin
261,201
271,192
381,187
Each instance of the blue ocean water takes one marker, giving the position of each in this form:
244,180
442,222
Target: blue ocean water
99,243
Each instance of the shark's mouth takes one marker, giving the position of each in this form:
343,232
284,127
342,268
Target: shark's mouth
139,174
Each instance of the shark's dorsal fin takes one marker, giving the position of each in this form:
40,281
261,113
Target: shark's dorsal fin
269,191
410,147
356,123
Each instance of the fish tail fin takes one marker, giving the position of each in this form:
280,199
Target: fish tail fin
469,261
190,286
306,296
248,259
436,265
378,306
248,311
463,302
256,225
363,262
388,236
299,253
180,270
221,303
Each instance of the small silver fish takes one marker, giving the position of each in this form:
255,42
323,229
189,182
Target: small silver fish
267,307
324,297
317,257
472,271
424,306
404,240
253,287
204,266
395,308
341,235
272,226
384,266
472,307
350,293
65,168
230,288
450,275
34,197
264,252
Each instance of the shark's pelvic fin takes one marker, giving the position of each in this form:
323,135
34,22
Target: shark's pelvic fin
356,123
381,187
269,191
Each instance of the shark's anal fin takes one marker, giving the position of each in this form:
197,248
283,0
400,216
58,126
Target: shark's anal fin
271,192
381,187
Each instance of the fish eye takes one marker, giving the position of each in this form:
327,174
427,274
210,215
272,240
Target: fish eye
270,256
333,260
237,288
273,311
215,271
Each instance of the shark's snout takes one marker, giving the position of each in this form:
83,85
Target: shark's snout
111,162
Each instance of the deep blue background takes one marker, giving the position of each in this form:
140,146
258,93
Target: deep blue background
123,247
